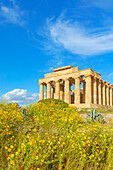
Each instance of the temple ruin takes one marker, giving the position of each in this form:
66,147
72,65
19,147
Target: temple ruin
83,89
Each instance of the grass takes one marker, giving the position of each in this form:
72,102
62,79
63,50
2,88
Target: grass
103,111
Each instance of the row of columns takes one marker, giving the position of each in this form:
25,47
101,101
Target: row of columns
100,92
94,91
67,95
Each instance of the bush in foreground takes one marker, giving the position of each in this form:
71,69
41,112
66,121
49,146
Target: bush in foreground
55,137
11,121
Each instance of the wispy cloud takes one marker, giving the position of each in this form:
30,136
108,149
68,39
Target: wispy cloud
20,96
110,75
77,39
103,4
13,14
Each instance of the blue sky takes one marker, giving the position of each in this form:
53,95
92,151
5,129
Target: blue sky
39,35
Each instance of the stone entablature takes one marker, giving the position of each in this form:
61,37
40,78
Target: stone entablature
94,93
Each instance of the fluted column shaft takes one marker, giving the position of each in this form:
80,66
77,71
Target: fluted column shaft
77,90
41,95
107,95
67,91
111,96
61,91
57,90
104,96
84,87
88,89
95,90
100,92
53,95
48,90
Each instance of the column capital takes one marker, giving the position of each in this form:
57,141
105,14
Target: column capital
78,77
68,78
48,82
111,85
57,80
104,82
41,83
89,75
108,84
100,80
95,77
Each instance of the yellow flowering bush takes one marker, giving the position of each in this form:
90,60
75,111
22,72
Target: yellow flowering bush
10,122
54,136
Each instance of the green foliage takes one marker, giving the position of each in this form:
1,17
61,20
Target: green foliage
59,104
24,114
95,116
53,136
52,112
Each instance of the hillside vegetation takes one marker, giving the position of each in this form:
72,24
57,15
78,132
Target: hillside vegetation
51,135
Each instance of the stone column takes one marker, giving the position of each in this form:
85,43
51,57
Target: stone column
57,90
53,92
104,93
67,91
111,96
48,90
61,91
95,90
77,90
88,89
84,89
100,92
41,95
107,94
92,90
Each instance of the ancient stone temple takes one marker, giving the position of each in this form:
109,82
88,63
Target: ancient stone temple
83,88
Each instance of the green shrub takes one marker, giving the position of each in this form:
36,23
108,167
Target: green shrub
59,104
95,116
55,137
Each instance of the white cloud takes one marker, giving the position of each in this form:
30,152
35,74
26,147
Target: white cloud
111,74
104,4
11,14
20,96
77,39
